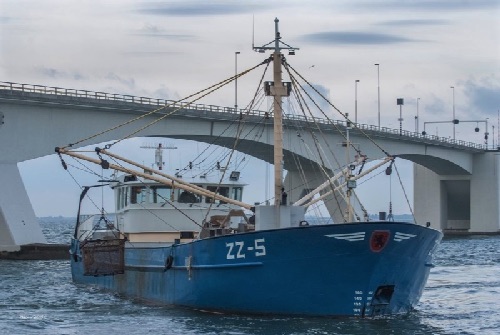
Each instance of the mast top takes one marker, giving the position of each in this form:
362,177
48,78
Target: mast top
277,44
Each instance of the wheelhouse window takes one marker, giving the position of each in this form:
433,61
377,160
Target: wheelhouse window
224,191
119,198
237,193
161,194
122,199
139,194
188,197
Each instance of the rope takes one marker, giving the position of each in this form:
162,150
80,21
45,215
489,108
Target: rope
210,89
300,98
238,133
404,192
342,114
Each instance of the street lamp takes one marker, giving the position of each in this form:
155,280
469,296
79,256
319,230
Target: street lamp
378,81
454,119
493,138
400,103
236,80
356,100
416,118
486,134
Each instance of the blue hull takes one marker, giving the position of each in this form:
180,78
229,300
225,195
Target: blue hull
361,269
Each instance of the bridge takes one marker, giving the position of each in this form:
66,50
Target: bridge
456,183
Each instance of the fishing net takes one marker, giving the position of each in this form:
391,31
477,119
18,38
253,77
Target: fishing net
103,257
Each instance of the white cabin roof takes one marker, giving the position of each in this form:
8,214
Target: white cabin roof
192,178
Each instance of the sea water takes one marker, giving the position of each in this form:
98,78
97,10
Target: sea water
38,297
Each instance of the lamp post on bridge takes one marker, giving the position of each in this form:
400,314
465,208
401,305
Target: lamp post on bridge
486,134
455,121
400,102
493,137
356,100
416,118
236,80
378,85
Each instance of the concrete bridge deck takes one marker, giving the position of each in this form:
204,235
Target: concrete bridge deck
452,177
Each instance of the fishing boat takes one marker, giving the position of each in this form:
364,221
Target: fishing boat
197,244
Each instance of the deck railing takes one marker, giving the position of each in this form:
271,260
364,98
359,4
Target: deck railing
13,88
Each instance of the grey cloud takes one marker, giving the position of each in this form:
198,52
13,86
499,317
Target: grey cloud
314,95
51,72
150,29
151,53
437,106
202,8
177,37
416,22
165,93
484,95
430,5
154,31
128,82
55,73
332,37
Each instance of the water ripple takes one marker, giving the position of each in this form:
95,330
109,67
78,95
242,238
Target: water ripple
38,297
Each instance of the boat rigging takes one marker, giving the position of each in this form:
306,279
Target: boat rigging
194,244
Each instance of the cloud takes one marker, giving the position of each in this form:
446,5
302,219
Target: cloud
346,37
55,73
165,93
483,94
155,31
437,107
415,22
430,5
311,93
151,53
127,82
197,8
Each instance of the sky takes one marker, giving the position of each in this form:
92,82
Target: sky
169,49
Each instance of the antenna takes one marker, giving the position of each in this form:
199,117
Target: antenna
275,45
158,152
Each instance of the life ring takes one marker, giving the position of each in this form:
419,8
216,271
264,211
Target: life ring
169,262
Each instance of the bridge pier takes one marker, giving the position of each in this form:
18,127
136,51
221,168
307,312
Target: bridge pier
18,223
460,203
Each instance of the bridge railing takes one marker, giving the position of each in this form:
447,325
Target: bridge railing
17,88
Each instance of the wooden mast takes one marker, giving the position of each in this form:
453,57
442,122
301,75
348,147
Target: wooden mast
277,90
277,93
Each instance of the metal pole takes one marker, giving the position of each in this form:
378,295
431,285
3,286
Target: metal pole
486,134
236,80
493,138
378,81
400,120
400,103
417,121
356,100
453,88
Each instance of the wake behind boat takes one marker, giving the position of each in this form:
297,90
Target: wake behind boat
194,244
